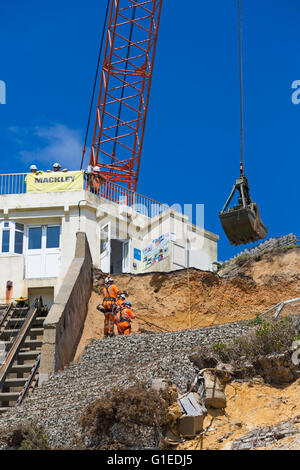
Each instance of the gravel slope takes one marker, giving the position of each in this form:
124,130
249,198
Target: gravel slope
108,363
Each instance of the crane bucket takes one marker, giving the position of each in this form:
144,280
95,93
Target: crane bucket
242,224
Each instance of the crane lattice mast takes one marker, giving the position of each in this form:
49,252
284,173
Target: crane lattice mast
125,83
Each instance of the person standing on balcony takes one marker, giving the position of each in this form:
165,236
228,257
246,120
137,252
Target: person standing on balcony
57,167
95,180
35,171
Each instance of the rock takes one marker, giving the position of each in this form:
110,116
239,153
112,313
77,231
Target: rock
223,438
224,372
159,384
259,437
214,391
236,423
276,368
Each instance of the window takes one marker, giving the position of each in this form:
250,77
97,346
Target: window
5,241
42,249
104,239
11,237
35,238
19,236
19,242
53,235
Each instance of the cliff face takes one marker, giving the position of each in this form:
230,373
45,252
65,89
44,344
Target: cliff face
258,416
181,300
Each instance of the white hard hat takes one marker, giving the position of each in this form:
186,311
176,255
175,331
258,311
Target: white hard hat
33,167
56,165
97,168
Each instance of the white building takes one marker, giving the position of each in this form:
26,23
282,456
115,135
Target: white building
39,219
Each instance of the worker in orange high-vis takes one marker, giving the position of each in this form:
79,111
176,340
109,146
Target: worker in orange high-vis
119,303
110,293
120,300
124,318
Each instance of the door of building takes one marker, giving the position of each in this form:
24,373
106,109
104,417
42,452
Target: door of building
126,256
43,254
105,248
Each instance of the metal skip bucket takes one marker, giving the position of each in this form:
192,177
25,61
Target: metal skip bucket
242,223
243,226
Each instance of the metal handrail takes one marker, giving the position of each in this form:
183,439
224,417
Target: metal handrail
279,307
29,380
6,312
14,183
4,369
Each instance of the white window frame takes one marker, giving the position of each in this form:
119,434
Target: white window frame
12,229
43,248
44,236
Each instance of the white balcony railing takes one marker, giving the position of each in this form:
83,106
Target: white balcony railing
15,183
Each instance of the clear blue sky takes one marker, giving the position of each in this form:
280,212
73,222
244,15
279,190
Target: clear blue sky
192,144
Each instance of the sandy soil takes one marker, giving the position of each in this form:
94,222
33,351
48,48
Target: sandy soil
168,302
249,405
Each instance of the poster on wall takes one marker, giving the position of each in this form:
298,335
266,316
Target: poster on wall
156,251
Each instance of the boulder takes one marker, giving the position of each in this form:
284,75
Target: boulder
214,390
160,384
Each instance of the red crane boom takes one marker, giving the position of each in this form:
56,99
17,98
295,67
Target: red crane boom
125,83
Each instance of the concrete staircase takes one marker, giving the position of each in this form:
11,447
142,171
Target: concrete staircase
21,344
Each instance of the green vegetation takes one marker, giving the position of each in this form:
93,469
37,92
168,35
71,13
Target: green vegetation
269,337
243,258
25,437
132,409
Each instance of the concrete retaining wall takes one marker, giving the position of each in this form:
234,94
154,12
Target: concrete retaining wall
64,323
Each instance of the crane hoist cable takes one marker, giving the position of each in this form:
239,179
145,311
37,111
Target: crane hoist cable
240,28
95,82
242,223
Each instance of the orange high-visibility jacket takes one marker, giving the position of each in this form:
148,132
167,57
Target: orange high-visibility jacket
110,291
125,315
120,302
110,295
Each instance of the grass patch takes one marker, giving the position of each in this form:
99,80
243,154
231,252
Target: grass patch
25,437
269,337
243,258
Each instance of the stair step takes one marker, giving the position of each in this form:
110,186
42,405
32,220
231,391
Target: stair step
15,382
28,354
32,343
3,409
9,396
15,321
28,343
16,315
21,368
36,331
39,320
10,332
